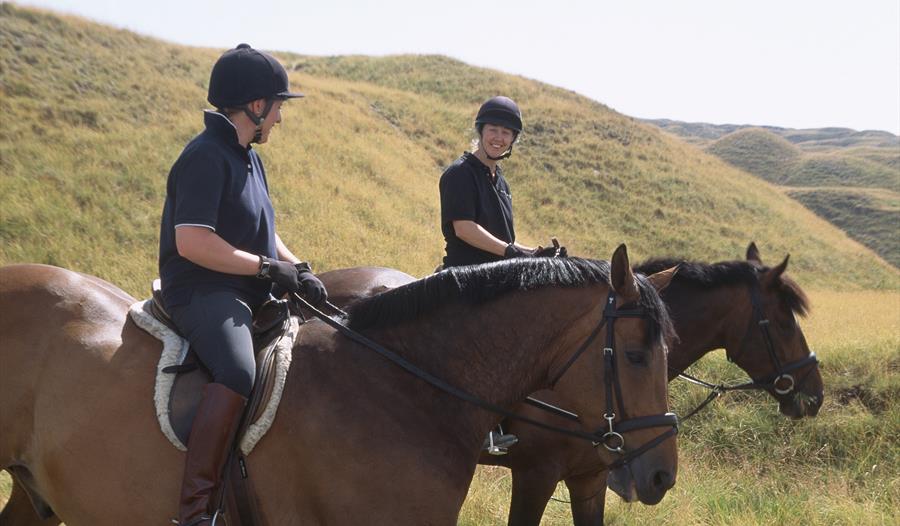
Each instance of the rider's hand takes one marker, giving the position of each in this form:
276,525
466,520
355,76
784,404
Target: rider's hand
283,273
554,251
311,287
512,251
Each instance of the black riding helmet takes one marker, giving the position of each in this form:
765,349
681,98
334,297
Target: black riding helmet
242,75
500,111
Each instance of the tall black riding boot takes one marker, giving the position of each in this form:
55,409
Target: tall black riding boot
209,444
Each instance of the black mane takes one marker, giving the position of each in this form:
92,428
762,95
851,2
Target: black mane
726,273
480,283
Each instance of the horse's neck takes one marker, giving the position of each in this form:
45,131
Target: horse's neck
703,320
500,351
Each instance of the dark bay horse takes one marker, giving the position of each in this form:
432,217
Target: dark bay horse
712,308
357,440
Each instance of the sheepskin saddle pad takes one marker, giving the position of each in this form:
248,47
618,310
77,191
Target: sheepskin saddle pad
180,376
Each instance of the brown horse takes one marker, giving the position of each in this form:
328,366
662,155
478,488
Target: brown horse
357,439
712,307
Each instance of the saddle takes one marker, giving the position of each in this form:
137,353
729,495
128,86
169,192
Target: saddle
270,324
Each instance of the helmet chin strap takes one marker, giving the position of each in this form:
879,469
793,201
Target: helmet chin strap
258,119
500,158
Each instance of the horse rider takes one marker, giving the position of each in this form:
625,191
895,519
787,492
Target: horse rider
219,255
476,205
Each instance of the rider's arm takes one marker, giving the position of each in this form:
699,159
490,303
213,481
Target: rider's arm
284,252
202,246
475,235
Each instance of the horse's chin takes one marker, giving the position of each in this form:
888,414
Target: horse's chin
622,484
800,405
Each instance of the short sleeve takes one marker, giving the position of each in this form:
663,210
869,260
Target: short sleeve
198,185
459,196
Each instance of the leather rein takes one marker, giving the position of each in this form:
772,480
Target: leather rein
611,437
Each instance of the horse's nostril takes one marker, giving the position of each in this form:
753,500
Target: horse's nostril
662,480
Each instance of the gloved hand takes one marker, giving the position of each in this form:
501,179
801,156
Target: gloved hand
512,251
311,287
283,273
555,251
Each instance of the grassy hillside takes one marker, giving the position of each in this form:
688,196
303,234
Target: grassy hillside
775,159
872,215
811,165
813,139
759,152
94,117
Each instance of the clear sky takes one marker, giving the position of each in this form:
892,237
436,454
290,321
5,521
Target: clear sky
790,63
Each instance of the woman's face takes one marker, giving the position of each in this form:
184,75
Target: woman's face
273,118
495,140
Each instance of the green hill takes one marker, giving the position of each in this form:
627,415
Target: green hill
818,161
811,139
774,158
94,117
759,152
872,215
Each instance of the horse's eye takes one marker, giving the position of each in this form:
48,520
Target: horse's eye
636,357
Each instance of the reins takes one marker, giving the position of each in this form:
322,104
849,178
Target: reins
669,419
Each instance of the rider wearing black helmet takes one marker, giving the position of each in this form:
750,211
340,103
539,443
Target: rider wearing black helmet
476,204
220,254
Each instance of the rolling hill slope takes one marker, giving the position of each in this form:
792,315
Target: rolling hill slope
94,117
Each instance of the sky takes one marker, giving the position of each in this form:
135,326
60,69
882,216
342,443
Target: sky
788,63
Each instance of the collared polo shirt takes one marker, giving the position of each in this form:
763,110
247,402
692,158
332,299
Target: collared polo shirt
470,192
217,184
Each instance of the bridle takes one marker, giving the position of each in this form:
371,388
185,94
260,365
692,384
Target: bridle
781,381
612,436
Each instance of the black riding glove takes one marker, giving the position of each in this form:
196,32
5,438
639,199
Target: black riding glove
513,251
311,287
554,251
283,273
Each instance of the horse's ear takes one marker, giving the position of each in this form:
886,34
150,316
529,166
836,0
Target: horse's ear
770,277
661,279
753,254
621,279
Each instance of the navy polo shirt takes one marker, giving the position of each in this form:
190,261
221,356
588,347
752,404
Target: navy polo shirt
218,184
469,192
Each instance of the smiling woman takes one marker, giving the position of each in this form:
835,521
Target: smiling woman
476,202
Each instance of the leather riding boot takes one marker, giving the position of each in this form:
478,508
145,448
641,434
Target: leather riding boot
209,444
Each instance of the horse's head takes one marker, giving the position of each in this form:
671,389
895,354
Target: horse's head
772,349
615,366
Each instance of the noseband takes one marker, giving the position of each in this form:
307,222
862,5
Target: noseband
612,438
